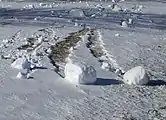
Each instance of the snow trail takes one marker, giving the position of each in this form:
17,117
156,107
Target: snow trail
96,46
62,50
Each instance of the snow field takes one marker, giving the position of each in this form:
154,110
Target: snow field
48,97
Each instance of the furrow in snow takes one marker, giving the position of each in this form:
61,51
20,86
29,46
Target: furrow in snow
62,50
96,46
27,57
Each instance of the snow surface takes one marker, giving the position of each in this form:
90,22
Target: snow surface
47,96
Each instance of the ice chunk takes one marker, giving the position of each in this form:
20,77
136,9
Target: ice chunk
21,63
79,73
136,76
76,13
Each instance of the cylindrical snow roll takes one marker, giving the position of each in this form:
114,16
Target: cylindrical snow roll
136,76
21,63
79,73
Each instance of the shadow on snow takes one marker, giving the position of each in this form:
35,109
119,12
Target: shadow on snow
156,83
141,20
105,81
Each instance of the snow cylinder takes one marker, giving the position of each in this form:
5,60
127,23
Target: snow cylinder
21,63
77,73
136,76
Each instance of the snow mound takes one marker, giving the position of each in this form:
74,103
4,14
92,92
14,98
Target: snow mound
21,63
77,13
79,73
136,76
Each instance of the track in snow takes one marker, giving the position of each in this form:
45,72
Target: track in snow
53,15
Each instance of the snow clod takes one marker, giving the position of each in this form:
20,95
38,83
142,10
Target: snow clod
124,24
79,73
117,35
75,24
130,21
20,76
105,66
136,76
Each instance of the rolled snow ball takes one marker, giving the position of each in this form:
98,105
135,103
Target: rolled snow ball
79,73
77,13
136,76
21,63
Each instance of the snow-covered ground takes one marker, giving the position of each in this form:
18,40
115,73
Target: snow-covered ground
42,43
